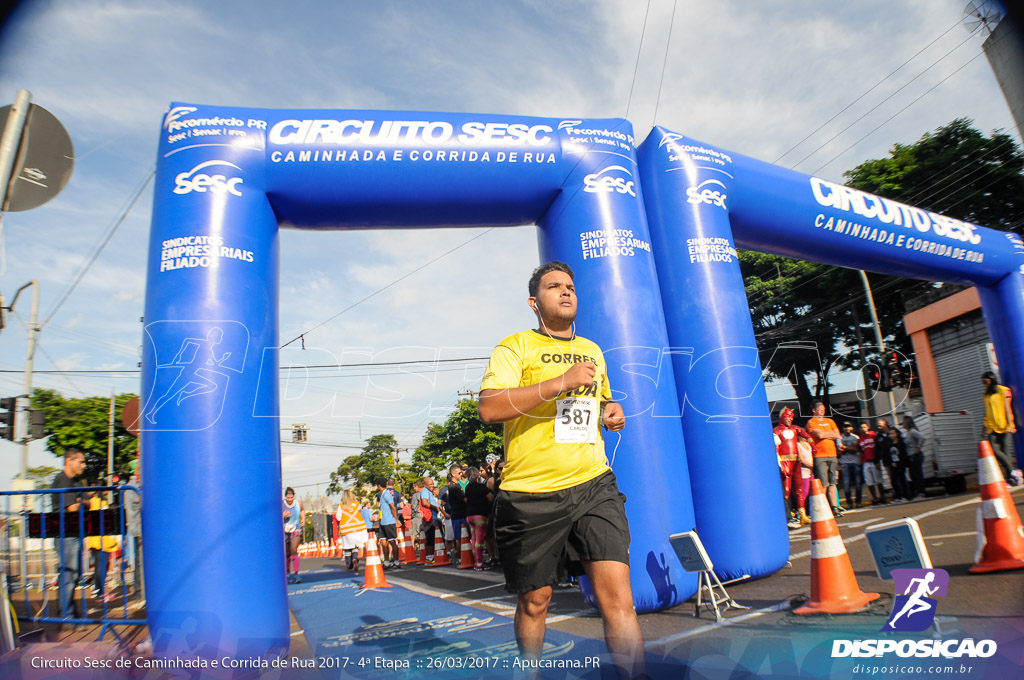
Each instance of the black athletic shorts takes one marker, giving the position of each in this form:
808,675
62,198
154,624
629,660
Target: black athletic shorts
544,536
389,532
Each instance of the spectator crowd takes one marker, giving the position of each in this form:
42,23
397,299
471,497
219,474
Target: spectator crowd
888,460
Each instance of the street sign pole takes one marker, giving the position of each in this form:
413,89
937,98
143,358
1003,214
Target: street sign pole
11,140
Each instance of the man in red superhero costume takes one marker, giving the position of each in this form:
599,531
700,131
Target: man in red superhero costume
786,436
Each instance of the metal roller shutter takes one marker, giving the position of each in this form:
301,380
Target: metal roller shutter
960,372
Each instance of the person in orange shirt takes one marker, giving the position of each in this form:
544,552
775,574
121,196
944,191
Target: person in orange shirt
826,466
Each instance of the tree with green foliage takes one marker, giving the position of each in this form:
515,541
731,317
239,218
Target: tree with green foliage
462,438
361,471
956,171
805,313
42,475
84,423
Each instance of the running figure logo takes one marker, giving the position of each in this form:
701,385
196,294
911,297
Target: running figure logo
914,610
201,366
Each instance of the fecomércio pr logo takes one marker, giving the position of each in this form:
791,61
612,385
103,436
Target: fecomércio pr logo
914,610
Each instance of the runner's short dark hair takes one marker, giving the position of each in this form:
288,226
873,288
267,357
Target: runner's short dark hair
547,268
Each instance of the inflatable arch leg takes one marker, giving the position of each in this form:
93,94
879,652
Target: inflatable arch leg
737,494
1003,307
620,302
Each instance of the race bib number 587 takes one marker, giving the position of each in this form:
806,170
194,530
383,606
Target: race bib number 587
576,421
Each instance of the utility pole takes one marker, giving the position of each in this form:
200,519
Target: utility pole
468,393
878,336
110,448
11,140
21,420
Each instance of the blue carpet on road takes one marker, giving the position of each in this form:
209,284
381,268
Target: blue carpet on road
399,633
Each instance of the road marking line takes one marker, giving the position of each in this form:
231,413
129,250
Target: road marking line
860,536
571,615
960,535
661,642
493,585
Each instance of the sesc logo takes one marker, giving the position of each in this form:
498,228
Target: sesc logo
176,113
201,182
599,182
705,192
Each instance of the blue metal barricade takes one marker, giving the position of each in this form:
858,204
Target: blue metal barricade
65,541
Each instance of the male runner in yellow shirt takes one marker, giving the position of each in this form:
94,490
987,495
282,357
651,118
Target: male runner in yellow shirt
559,507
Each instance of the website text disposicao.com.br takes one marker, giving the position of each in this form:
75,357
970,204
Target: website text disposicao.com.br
916,657
909,670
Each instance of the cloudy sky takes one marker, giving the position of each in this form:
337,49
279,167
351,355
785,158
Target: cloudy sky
817,87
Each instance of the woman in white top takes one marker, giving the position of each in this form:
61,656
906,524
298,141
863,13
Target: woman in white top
294,518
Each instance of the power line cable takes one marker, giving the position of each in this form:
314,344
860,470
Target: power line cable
944,181
287,368
380,290
893,94
887,120
110,234
636,67
865,93
664,62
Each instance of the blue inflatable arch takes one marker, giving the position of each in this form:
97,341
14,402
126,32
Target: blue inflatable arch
702,203
228,177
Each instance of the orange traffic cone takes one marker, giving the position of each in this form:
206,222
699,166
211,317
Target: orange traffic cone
406,553
834,588
374,575
1004,536
423,547
440,556
466,550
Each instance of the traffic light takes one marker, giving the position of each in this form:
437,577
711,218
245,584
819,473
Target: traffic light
37,424
876,378
8,407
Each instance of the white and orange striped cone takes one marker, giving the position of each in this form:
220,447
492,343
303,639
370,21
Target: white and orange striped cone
466,550
440,556
406,554
423,548
834,588
374,574
1004,536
